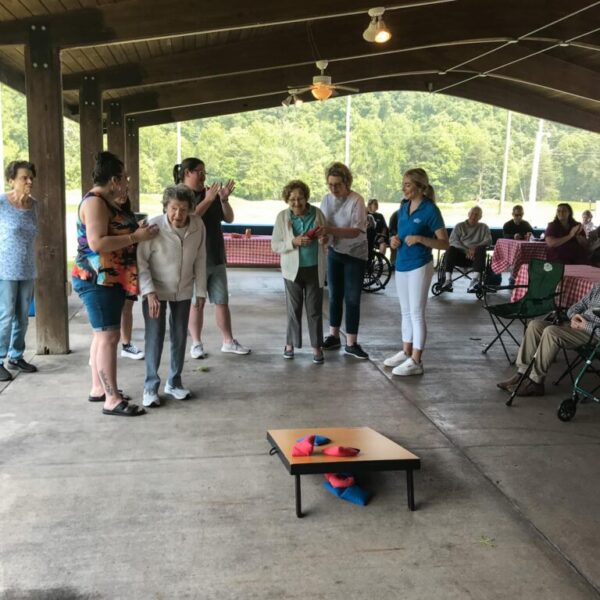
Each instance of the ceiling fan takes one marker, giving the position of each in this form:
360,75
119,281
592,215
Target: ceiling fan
321,87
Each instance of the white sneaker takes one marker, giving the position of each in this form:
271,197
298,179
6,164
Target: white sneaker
197,350
131,351
408,367
397,359
179,393
151,399
473,286
234,347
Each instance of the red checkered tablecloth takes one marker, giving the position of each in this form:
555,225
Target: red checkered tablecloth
509,255
255,251
577,282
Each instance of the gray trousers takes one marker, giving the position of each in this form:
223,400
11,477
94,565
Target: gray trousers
544,340
304,290
154,338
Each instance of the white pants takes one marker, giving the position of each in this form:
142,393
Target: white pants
413,287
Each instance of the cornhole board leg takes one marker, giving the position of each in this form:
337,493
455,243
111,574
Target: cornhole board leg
298,497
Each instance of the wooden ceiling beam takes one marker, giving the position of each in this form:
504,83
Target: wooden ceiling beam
257,54
12,78
494,92
330,37
138,20
541,70
202,111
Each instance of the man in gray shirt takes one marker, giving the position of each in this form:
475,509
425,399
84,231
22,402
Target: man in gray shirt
468,242
542,341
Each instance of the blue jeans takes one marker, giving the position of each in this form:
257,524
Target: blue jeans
15,298
179,313
345,275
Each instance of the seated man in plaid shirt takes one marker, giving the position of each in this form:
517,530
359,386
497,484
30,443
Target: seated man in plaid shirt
543,340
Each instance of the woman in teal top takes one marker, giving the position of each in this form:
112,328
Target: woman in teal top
296,239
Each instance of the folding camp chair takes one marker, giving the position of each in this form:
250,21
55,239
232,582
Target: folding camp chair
540,299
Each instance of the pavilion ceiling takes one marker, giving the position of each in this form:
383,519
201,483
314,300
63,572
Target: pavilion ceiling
168,61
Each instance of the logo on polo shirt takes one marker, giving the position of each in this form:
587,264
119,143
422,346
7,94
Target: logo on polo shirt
417,220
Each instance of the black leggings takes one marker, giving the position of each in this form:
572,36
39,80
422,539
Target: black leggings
456,257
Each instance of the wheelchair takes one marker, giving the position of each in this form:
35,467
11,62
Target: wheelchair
488,277
378,270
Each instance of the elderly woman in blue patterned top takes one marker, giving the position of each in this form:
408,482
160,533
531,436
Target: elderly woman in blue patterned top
18,230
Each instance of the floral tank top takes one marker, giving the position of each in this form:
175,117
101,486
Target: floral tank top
108,268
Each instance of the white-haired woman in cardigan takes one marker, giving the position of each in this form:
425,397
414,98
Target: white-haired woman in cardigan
296,238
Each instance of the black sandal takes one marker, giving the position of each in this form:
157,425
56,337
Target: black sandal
103,397
124,409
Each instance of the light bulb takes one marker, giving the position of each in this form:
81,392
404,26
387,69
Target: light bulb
321,92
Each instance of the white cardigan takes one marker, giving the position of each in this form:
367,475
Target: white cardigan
169,266
281,243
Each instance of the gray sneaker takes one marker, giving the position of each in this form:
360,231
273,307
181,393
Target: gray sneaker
179,393
234,347
197,351
151,399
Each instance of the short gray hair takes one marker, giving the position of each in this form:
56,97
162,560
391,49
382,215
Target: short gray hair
179,192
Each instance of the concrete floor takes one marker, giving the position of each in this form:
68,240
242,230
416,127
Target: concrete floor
187,503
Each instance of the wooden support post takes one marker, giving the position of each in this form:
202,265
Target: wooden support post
46,150
132,161
115,129
90,127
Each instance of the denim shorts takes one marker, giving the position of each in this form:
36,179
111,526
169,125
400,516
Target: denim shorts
103,303
216,285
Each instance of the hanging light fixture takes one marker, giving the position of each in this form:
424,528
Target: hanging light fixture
293,99
321,91
377,30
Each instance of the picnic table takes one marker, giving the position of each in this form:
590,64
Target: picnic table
509,254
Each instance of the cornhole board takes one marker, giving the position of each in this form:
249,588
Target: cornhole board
377,453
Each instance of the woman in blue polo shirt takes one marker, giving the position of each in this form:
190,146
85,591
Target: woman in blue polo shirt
420,229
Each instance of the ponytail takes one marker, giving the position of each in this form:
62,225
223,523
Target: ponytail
430,192
177,173
188,164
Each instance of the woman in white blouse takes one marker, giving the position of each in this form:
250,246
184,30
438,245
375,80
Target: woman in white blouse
346,215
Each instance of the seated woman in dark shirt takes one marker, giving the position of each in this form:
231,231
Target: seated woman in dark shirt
565,238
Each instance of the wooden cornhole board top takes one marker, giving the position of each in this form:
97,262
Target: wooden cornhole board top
377,453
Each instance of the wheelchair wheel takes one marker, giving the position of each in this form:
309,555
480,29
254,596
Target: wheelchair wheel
371,276
436,289
566,410
377,273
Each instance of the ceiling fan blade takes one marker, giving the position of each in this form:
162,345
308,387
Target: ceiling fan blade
299,90
347,88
